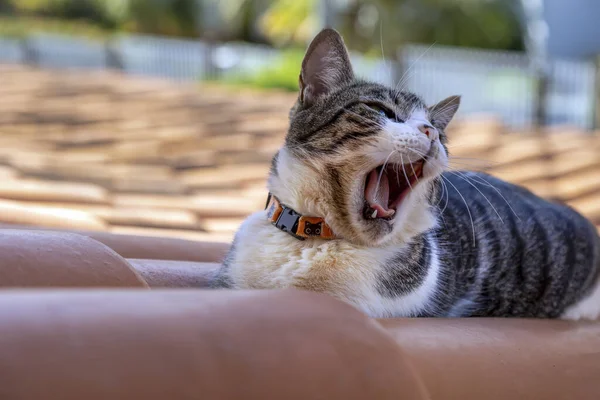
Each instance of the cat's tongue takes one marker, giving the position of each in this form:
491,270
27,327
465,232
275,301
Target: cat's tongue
378,195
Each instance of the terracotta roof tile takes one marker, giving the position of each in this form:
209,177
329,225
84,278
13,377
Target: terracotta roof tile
7,173
173,233
29,189
102,151
222,225
224,176
12,212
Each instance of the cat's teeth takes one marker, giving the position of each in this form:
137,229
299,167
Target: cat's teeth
374,215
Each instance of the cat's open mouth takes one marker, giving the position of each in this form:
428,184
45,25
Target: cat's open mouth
386,188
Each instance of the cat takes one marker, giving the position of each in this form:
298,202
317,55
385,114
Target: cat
312,229
405,237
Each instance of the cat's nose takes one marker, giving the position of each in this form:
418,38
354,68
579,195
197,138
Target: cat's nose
425,128
428,130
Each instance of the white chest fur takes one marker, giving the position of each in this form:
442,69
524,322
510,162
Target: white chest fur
266,258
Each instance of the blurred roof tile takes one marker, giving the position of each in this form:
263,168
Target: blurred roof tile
102,151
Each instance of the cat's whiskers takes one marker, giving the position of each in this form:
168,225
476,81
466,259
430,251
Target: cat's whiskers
441,197
397,168
414,173
444,109
447,196
405,174
418,153
401,81
382,169
441,212
466,205
463,176
458,164
480,192
385,63
443,184
425,157
491,163
486,183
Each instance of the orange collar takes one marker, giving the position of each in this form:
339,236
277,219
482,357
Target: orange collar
297,225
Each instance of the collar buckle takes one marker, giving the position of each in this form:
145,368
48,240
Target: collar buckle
288,221
301,227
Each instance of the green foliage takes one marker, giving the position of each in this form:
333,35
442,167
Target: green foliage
23,26
6,6
290,21
96,12
490,24
282,74
29,6
367,25
160,17
163,17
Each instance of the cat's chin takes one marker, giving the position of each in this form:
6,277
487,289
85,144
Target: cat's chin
386,187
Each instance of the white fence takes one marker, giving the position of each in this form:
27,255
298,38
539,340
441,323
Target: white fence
489,81
502,83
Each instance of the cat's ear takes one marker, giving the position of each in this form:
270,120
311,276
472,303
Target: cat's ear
442,113
325,67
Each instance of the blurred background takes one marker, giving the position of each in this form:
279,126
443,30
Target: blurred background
159,117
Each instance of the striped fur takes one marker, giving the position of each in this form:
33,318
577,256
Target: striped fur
523,257
461,243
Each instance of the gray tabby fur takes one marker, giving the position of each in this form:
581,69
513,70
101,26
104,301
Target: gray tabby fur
461,244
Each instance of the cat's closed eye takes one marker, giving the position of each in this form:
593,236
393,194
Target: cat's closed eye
385,112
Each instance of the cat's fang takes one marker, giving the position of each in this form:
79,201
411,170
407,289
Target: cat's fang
374,215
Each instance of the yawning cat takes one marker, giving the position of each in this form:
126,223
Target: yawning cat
362,207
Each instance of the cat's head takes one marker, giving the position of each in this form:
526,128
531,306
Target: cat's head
366,157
